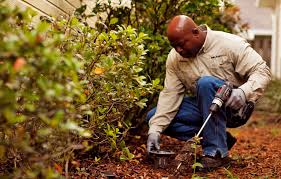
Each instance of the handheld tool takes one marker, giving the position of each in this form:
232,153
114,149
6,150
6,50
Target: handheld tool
221,96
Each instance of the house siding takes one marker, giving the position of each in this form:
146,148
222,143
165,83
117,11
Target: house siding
262,44
54,8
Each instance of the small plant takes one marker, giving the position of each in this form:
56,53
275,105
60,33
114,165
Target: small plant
196,142
229,174
126,154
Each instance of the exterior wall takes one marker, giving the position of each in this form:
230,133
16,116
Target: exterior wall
262,44
276,36
53,8
276,53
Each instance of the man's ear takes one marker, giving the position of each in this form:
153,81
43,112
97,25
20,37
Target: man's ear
195,31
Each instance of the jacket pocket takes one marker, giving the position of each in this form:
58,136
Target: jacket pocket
219,61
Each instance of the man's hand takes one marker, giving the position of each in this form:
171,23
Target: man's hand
237,99
153,142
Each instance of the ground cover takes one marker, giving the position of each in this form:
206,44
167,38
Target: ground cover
255,155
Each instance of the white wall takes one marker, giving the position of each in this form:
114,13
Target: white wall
276,41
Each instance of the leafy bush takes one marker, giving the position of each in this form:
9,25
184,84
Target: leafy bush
39,93
152,16
114,85
65,87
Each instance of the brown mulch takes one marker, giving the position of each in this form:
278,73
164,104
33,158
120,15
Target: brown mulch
257,154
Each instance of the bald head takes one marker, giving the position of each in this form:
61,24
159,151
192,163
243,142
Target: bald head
185,36
180,24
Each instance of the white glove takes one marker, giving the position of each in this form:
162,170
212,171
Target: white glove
153,142
237,99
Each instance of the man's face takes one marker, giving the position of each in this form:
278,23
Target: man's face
187,45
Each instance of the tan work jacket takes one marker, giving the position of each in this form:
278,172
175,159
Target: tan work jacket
223,55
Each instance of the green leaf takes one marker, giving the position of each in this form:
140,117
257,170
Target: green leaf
197,165
155,82
18,119
88,112
142,103
44,118
103,36
86,133
30,107
123,157
126,154
72,126
113,36
143,36
12,118
43,27
113,21
30,13
44,131
74,21
137,69
141,80
102,110
130,156
122,144
195,176
109,62
55,121
42,82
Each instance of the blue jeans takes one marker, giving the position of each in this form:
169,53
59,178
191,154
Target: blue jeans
191,115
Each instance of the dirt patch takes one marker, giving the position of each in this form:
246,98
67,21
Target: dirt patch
255,155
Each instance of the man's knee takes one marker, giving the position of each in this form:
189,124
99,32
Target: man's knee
150,114
208,82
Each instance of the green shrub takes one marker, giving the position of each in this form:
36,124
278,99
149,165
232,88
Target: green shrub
65,87
114,85
152,16
39,93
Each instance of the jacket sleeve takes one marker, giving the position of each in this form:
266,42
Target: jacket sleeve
250,66
169,100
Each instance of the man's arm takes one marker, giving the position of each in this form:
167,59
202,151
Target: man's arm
169,100
250,65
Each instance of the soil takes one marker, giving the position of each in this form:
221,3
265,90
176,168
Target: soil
256,154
